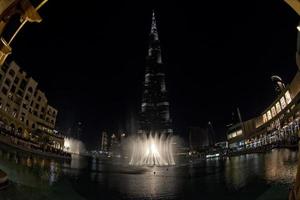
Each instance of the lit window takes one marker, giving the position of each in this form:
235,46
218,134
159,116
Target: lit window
239,132
278,108
269,115
234,134
273,111
282,102
288,97
265,119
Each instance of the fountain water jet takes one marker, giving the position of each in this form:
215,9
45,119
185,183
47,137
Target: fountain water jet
148,149
74,146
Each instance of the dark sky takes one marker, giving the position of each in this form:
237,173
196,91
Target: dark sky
219,55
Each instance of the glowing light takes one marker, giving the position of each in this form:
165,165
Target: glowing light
298,28
74,146
213,155
152,150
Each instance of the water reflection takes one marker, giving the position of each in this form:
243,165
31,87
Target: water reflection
112,179
276,166
27,169
280,166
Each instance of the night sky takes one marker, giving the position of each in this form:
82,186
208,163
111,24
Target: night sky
219,55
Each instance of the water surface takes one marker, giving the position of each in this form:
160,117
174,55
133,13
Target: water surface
255,176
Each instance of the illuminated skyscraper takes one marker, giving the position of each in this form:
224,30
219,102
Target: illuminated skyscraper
104,141
155,114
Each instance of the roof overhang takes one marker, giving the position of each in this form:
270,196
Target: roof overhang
295,4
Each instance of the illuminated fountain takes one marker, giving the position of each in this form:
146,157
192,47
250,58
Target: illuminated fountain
150,150
74,146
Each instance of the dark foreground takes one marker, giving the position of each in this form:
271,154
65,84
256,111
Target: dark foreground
255,176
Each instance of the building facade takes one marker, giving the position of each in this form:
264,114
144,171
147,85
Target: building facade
277,124
104,142
155,114
24,108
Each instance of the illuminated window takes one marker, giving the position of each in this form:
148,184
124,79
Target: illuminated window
269,115
288,97
234,134
239,132
273,111
282,102
278,108
265,119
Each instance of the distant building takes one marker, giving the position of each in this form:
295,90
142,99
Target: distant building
222,145
104,141
78,130
24,107
115,144
211,134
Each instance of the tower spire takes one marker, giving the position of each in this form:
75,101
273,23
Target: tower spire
155,115
154,51
154,27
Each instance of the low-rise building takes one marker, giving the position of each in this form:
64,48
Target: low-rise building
24,108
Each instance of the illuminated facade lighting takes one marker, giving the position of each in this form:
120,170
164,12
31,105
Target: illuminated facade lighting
155,115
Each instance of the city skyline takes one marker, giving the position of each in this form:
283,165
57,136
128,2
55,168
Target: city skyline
152,101
205,61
